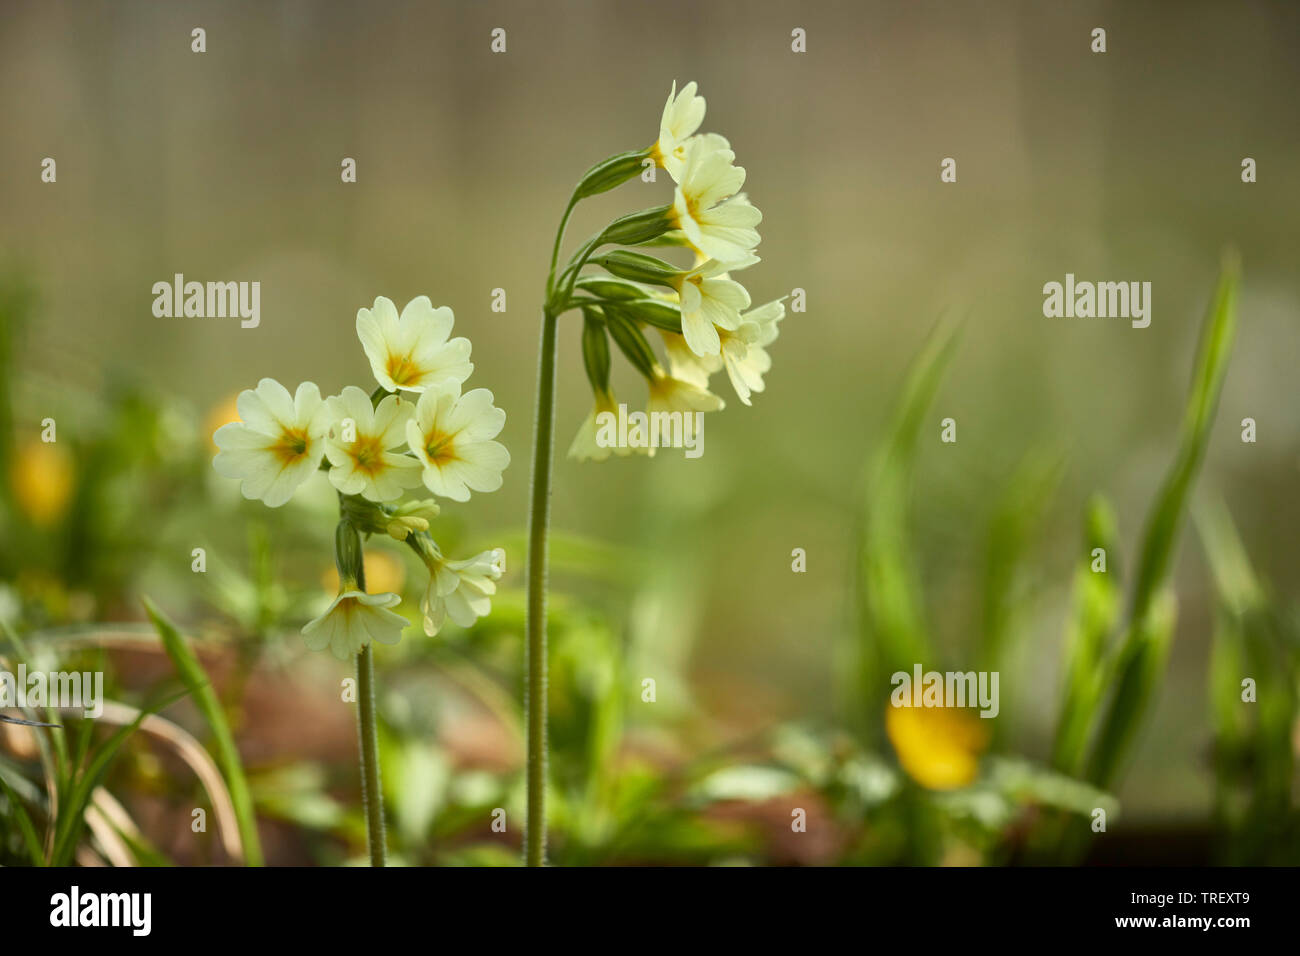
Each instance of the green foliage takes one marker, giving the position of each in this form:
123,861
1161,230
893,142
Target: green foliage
1254,761
1140,660
892,628
197,684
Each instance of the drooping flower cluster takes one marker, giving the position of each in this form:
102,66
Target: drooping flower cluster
704,314
416,428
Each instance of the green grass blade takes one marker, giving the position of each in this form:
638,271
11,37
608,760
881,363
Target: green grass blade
1254,758
195,679
30,839
1019,510
1139,663
894,634
72,805
1213,354
1094,614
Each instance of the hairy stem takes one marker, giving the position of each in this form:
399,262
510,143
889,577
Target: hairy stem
535,630
372,797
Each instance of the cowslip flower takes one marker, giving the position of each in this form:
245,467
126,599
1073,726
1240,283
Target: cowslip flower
281,441
685,364
711,300
411,352
361,443
682,116
744,351
708,214
451,435
277,445
671,394
716,222
585,447
353,620
461,590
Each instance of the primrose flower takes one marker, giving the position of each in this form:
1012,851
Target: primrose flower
716,222
359,448
42,476
353,620
451,437
744,351
670,394
939,747
411,352
682,116
685,364
278,444
585,447
711,300
461,590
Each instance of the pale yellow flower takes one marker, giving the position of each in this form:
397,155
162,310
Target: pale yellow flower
716,221
711,301
744,351
361,443
670,394
352,621
461,590
411,352
585,447
451,438
682,116
278,444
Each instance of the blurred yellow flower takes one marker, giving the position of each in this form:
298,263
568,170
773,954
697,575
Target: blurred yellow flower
224,412
383,573
939,747
42,476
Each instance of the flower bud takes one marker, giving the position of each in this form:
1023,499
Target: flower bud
638,227
605,287
347,555
639,267
611,172
595,351
657,312
630,340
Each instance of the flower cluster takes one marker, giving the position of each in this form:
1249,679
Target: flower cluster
417,428
703,314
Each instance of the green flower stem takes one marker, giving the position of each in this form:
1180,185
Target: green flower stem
535,629
559,238
372,796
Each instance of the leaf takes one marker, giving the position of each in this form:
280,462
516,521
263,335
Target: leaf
196,681
1139,663
1094,613
893,631
30,839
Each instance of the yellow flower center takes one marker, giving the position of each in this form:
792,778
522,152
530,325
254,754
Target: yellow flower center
401,369
439,448
368,454
291,446
693,207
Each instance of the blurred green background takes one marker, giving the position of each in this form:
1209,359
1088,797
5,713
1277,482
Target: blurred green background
1122,166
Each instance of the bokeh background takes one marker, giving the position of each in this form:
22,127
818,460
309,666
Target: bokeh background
225,166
